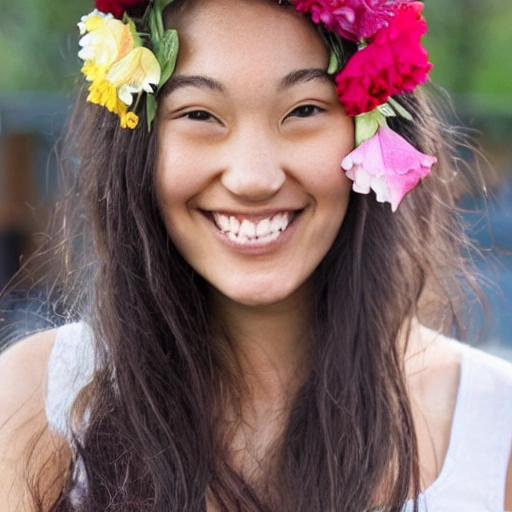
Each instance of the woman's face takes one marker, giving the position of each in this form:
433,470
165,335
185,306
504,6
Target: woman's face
251,137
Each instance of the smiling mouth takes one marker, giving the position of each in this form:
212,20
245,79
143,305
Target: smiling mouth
243,230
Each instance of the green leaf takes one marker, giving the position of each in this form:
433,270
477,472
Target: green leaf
160,5
401,111
150,109
157,12
334,65
154,22
386,110
167,54
366,125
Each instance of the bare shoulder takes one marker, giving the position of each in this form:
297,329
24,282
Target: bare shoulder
23,368
433,362
432,366
25,441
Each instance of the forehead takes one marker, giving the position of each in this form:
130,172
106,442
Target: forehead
243,34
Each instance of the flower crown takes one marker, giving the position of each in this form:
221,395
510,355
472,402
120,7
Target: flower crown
118,34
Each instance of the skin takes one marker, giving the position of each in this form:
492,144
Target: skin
253,142
250,145
259,149
23,372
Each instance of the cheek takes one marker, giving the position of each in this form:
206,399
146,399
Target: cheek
324,152
177,176
331,188
327,181
329,178
172,193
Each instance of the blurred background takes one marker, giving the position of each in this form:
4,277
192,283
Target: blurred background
469,43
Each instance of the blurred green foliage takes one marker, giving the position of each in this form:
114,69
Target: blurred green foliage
470,45
469,42
38,44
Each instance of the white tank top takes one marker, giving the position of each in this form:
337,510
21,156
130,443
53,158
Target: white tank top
473,475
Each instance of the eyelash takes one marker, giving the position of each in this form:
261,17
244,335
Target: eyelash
198,115
302,111
305,111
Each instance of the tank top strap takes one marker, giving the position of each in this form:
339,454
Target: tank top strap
70,368
474,472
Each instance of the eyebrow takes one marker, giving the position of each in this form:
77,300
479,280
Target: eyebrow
302,76
180,81
203,82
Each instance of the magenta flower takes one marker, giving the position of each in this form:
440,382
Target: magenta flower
352,19
388,165
394,62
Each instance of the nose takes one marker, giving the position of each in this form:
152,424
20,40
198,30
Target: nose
253,172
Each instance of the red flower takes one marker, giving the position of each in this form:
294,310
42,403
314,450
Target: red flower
352,19
393,63
117,7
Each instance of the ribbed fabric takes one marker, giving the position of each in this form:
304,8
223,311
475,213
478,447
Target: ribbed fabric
70,369
473,475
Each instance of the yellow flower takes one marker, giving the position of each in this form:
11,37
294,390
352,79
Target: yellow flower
108,41
138,71
102,92
129,120
116,64
93,72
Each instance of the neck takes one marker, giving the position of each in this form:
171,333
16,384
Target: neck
271,344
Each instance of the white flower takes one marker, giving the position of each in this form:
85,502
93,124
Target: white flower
107,40
92,17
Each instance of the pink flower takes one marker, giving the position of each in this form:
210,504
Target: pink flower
117,7
352,19
388,165
394,62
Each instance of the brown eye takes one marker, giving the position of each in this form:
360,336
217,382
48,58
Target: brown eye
198,115
305,111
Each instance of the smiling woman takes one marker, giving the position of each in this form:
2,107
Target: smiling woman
253,314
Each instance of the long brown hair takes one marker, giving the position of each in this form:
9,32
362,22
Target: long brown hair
153,438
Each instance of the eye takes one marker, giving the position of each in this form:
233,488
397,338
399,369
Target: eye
305,111
198,115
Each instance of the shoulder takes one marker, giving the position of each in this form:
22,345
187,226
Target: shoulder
23,373
467,396
445,358
433,366
25,441
443,367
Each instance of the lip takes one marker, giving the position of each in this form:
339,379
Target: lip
255,246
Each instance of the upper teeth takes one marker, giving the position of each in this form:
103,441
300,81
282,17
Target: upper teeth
250,230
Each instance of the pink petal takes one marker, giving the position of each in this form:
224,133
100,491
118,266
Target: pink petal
390,158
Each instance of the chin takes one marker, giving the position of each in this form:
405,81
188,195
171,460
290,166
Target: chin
262,295
259,301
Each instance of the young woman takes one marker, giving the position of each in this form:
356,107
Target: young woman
253,315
